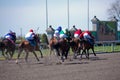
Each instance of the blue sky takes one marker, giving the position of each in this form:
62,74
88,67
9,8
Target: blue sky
27,14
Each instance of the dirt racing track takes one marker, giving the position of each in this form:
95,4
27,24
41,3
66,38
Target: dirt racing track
103,67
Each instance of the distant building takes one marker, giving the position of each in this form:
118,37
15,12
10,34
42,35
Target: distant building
105,30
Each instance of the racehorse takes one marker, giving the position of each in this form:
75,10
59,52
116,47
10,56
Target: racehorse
64,48
27,47
86,46
75,46
61,47
53,45
7,46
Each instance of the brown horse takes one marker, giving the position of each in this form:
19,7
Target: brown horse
53,45
64,48
27,47
7,46
86,46
61,47
75,46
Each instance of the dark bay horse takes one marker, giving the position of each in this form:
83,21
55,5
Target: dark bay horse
60,46
75,46
86,46
53,45
64,48
27,47
8,48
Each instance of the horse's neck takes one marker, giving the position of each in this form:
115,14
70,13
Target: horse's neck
37,40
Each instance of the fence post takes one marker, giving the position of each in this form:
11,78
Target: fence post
112,46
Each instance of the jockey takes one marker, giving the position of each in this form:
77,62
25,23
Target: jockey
77,33
62,34
57,32
11,36
87,36
30,37
68,34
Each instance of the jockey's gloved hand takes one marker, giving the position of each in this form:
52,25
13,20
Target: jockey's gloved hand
33,36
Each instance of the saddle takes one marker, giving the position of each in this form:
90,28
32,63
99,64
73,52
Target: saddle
90,41
32,42
9,40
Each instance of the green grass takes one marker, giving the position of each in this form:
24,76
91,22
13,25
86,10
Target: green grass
108,48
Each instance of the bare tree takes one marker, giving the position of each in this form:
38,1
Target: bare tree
114,10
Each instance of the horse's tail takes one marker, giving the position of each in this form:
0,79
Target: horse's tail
2,45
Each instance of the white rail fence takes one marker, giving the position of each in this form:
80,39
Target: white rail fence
100,46
107,46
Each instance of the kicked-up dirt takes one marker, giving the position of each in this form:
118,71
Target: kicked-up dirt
102,67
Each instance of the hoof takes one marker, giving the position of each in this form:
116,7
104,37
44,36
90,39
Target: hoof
41,56
16,61
58,63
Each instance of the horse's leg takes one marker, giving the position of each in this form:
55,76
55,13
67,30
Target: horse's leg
81,54
19,53
83,51
78,51
41,53
58,53
75,55
62,54
93,52
36,56
3,54
38,49
51,50
12,54
88,53
66,54
26,57
7,56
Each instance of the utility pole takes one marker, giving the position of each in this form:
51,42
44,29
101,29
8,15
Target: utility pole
68,13
46,14
21,33
88,14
